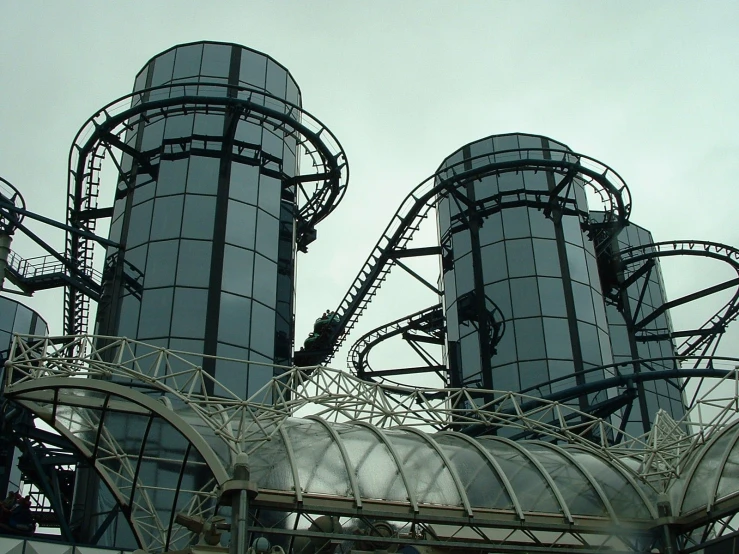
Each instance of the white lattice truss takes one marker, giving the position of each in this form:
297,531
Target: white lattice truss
44,374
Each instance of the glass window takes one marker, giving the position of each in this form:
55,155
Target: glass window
188,315
163,69
463,274
267,234
144,189
167,217
547,258
525,297
589,345
22,323
533,375
494,266
7,314
238,266
234,320
500,294
276,79
199,217
179,126
470,348
272,143
509,181
187,61
136,260
156,309
552,297
536,181
270,191
42,329
153,134
486,186
172,176
461,243
505,378
263,329
6,342
577,265
541,226
244,183
253,69
560,370
139,224
193,264
292,94
492,229
600,311
529,339
249,132
442,215
516,223
520,256
583,302
580,197
128,319
140,82
480,147
241,224
505,142
557,334
161,264
216,60
202,176
265,280
259,375
605,348
210,124
571,228
232,374
505,350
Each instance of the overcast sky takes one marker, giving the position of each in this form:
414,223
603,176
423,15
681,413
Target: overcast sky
649,88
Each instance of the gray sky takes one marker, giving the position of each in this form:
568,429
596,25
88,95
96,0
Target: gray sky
648,88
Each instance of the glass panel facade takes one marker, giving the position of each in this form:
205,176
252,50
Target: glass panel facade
643,296
538,270
14,318
203,229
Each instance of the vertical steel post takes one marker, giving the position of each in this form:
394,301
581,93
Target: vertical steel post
5,240
237,492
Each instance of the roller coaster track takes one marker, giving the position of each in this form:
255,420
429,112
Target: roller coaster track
709,333
606,183
431,322
104,135
10,196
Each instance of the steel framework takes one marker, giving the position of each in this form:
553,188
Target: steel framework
103,135
161,388
604,182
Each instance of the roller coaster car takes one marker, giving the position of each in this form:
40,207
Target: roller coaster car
17,519
327,322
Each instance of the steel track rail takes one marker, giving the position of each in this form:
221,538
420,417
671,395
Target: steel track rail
606,183
105,131
705,335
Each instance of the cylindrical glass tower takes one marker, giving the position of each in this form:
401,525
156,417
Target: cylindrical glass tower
14,318
205,210
645,294
505,243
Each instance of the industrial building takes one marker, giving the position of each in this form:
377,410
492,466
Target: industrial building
188,416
